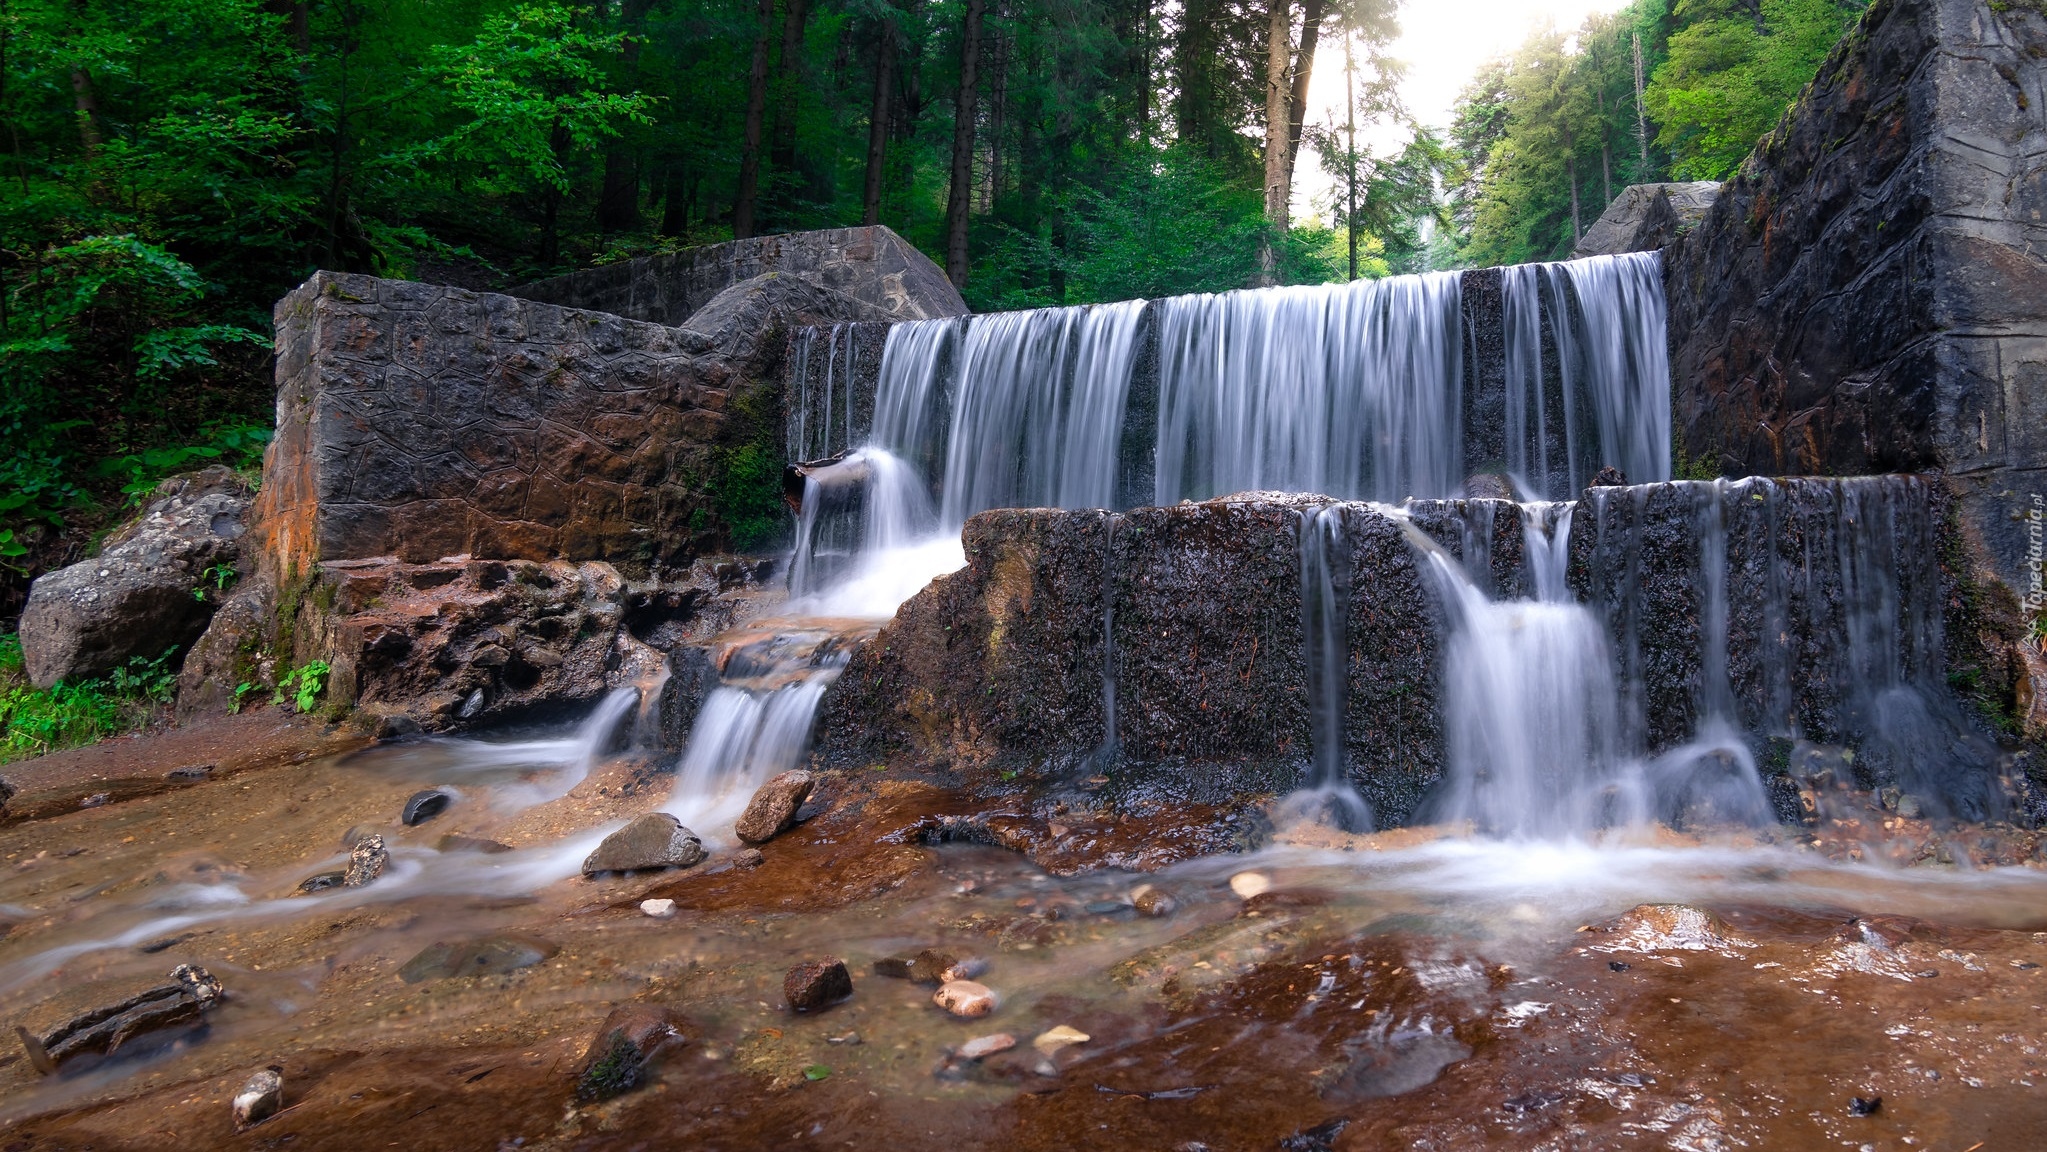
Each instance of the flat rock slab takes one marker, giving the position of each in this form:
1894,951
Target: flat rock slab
656,840
179,1003
489,956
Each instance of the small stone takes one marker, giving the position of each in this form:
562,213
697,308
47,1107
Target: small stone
930,966
617,1060
772,810
749,858
1909,806
894,967
1609,477
471,706
425,805
965,999
355,835
455,842
656,840
969,968
1619,965
189,773
659,909
1062,1036
1249,884
982,1047
321,881
260,1098
365,862
1865,1105
817,984
849,1039
1154,902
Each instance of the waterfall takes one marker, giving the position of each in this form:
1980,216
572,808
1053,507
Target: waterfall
1603,324
1330,797
1352,391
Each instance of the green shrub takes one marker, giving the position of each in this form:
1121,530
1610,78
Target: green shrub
66,715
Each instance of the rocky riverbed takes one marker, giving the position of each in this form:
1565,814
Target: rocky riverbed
1869,980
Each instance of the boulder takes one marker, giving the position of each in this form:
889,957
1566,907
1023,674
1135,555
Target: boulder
1645,217
152,588
656,840
773,808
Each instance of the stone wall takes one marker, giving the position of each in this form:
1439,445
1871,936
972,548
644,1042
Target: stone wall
1869,293
1188,617
872,265
423,422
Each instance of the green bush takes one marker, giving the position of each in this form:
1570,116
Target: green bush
66,715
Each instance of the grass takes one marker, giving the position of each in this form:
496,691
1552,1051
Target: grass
34,721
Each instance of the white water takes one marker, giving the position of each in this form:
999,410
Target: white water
742,738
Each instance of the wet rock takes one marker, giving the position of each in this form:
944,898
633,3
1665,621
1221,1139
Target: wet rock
190,773
152,588
658,909
1249,885
965,968
772,810
489,956
425,805
817,984
321,881
1320,1138
656,840
894,967
356,834
456,842
1060,1036
748,858
259,1099
1667,927
965,999
1865,1105
178,1004
1610,477
625,1046
365,862
1154,902
982,1047
1488,486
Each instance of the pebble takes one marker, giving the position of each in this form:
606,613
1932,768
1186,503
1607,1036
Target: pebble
817,984
425,805
981,1047
965,999
659,909
1154,902
1865,1105
1062,1036
260,1098
365,862
967,968
1249,884
749,858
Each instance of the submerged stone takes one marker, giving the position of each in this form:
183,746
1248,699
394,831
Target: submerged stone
817,984
489,956
425,805
617,1060
178,1004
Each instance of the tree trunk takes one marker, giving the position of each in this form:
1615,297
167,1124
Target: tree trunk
1641,117
87,108
756,112
1304,66
1193,50
998,108
618,203
1350,120
1278,123
789,86
675,202
1606,169
877,120
1571,174
1144,73
958,197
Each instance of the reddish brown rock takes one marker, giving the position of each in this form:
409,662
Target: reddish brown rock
817,984
617,1060
772,810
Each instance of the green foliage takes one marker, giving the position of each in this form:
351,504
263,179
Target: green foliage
34,721
746,490
302,685
1559,116
237,445
1733,69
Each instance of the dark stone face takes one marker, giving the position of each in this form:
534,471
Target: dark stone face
1866,295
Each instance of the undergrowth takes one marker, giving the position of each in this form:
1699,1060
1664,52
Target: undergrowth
66,715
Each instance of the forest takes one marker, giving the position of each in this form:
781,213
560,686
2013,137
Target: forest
171,167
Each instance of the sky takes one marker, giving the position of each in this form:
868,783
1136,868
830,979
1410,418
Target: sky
1442,42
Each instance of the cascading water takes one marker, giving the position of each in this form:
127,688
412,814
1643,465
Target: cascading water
1602,322
1330,797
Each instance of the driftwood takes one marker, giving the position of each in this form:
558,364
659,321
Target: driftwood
837,482
104,1030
